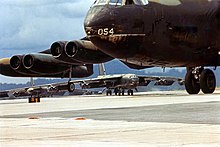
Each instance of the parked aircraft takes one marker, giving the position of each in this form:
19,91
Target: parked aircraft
121,82
46,90
117,82
140,33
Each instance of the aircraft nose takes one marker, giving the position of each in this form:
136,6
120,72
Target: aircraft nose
98,17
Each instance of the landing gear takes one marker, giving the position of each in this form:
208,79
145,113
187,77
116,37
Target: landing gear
109,92
123,92
130,92
200,78
192,83
71,86
207,81
116,91
119,91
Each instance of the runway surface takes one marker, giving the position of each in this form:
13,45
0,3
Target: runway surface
146,119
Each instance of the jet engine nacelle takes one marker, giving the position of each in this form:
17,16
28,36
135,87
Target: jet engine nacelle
20,71
44,64
85,52
57,50
16,63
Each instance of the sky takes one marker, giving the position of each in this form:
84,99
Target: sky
29,26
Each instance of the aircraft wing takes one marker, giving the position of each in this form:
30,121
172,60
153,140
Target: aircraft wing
13,93
100,81
159,80
4,94
26,91
56,62
112,80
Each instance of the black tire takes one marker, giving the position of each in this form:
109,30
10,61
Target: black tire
132,92
123,92
119,92
116,91
191,84
207,81
71,87
108,92
129,92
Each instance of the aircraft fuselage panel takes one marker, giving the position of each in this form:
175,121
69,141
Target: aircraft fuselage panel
187,34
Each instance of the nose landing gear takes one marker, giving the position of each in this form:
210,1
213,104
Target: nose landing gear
200,78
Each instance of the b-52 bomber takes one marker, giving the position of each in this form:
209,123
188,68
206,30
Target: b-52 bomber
141,34
121,82
47,90
165,33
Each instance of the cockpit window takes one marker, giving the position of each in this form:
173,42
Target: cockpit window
101,2
167,2
115,2
140,2
121,2
136,2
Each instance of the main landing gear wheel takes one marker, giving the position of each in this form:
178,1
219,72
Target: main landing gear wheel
200,78
130,92
109,92
207,81
71,86
119,91
122,92
191,83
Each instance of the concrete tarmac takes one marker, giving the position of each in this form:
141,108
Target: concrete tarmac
146,119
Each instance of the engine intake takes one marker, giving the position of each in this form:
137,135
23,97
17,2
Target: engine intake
28,61
16,61
57,48
44,64
71,49
77,71
85,52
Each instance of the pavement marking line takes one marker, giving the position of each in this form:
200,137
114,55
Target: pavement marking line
33,117
80,118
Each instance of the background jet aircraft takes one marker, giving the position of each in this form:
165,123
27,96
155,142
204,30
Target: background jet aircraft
121,82
46,90
160,33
